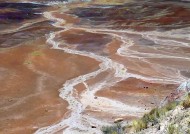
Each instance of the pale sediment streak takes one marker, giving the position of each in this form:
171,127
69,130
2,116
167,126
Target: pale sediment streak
78,122
175,78
125,51
58,21
170,40
182,33
77,119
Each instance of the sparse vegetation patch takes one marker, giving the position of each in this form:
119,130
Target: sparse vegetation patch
36,53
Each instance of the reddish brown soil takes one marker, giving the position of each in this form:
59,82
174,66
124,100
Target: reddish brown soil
31,75
138,92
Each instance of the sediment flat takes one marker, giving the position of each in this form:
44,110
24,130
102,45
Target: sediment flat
72,68
31,75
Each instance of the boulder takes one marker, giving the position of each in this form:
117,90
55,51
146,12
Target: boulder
118,120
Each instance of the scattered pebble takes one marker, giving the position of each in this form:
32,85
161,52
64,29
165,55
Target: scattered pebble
93,126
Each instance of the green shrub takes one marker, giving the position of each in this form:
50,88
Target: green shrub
186,103
115,129
173,129
36,53
188,131
171,106
139,125
152,117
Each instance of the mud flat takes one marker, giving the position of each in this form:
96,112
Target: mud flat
31,74
127,84
138,92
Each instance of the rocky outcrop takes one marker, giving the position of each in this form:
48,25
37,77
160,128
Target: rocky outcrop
174,122
179,94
